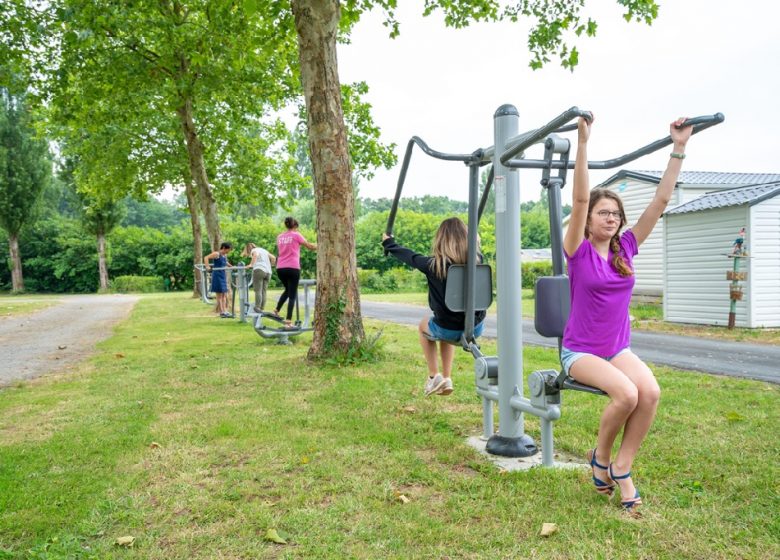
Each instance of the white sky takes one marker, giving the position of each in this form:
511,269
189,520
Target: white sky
699,57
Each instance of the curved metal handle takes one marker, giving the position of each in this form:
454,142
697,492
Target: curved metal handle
699,123
402,176
528,139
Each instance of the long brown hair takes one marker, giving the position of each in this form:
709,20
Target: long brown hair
614,243
248,249
450,246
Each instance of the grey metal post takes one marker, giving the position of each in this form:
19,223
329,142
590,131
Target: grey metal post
547,442
511,440
487,418
243,292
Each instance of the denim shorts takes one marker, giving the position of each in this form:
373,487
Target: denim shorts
449,334
568,357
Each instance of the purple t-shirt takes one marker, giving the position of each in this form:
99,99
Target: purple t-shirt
289,246
598,323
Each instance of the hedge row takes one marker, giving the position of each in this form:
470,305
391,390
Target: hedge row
59,256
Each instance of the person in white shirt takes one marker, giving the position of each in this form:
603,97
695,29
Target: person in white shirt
261,264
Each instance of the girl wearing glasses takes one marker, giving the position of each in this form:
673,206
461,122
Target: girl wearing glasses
596,341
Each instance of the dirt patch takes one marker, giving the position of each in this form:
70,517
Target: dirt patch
56,338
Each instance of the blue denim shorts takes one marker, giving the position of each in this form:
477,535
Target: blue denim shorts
568,357
449,334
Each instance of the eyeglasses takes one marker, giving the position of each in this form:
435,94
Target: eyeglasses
604,214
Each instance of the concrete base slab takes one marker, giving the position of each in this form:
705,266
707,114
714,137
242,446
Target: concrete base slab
560,460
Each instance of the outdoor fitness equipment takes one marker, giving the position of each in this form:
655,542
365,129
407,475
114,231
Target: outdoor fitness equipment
281,333
205,283
239,275
506,156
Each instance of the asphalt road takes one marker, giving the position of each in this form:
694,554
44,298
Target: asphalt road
736,359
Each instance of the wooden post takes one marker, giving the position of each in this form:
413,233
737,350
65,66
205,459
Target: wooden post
735,292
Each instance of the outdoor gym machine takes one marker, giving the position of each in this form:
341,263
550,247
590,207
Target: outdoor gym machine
506,156
281,333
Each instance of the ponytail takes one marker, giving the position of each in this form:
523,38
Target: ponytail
617,261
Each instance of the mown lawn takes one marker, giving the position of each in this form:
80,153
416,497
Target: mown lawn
195,436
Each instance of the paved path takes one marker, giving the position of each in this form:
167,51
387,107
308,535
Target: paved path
59,336
736,359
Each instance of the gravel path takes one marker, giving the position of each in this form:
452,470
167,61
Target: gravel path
55,338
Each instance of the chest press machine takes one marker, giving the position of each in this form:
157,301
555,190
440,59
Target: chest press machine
468,290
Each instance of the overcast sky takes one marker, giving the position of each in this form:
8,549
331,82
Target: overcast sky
699,57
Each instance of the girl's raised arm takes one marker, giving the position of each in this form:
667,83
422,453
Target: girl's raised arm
663,194
581,191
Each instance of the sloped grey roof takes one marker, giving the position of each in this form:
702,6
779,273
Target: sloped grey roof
697,177
749,195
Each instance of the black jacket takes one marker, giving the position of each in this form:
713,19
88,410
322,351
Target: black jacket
442,316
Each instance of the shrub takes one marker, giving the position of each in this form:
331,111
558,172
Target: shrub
393,280
533,270
142,284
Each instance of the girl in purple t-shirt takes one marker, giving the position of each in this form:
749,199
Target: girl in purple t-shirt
596,341
288,265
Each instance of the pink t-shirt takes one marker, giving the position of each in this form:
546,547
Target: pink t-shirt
598,322
289,248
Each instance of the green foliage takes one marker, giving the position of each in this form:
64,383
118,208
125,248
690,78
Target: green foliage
412,229
137,284
25,167
152,213
532,270
535,228
554,23
333,314
395,280
426,204
100,215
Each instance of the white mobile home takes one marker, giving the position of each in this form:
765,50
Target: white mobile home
698,238
637,188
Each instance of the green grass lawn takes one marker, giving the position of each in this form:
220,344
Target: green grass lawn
195,436
13,305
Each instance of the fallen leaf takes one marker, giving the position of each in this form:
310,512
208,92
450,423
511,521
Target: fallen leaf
548,529
125,541
155,445
119,355
403,499
273,536
409,409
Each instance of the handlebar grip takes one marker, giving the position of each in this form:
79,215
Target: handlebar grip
704,119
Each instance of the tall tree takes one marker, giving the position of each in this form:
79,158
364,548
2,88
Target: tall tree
337,320
209,70
338,325
25,171
100,217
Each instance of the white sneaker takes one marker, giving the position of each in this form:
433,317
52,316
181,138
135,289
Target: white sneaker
446,387
433,384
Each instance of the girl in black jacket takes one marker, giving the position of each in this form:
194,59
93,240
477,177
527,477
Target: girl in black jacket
450,246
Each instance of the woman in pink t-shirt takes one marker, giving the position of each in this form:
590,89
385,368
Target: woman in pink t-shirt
596,341
288,265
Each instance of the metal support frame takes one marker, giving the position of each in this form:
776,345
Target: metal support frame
506,156
283,335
